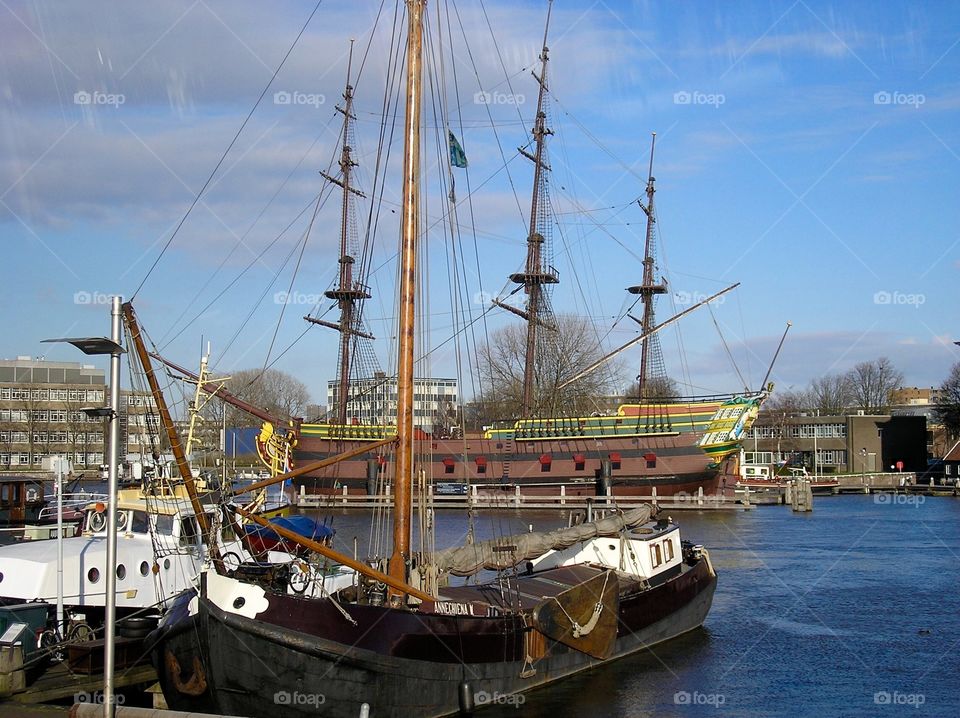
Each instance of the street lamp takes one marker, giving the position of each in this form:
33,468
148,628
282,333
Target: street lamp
112,347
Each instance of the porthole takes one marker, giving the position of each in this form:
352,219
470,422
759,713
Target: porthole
121,572
144,568
166,564
239,601
93,575
122,521
1,577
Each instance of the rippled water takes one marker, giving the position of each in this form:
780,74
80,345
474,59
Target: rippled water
852,609
819,614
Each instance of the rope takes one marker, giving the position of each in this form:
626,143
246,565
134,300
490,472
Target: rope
582,630
199,194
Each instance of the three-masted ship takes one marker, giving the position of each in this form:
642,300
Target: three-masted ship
399,637
667,444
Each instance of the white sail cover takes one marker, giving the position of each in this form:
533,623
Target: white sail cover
508,551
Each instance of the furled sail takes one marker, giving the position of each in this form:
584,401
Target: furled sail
508,551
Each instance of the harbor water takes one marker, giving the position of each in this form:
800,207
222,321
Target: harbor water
849,610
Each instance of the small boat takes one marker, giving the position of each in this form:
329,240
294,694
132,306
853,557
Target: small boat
159,553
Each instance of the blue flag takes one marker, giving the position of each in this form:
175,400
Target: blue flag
458,157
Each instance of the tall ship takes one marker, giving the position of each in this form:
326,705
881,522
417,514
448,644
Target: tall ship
669,444
409,636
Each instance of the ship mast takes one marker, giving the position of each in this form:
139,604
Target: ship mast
535,273
409,230
348,293
648,289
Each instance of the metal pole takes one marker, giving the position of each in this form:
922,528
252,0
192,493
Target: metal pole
60,622
111,567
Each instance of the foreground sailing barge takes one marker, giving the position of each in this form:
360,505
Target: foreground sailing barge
252,641
241,648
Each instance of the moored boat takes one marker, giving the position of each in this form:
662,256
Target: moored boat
401,637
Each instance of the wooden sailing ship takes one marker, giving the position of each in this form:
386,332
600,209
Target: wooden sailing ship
670,444
399,638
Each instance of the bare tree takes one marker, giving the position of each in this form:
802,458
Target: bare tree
947,411
871,384
831,394
658,388
445,417
561,355
273,390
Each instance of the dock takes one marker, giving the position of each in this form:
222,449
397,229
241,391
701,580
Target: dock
483,499
59,683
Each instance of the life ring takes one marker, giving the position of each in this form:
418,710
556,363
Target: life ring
231,561
32,495
299,577
98,521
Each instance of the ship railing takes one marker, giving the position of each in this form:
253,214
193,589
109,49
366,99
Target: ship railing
71,501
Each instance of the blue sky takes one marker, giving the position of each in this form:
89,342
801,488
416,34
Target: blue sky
809,150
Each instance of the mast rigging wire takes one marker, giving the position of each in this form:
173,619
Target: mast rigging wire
213,173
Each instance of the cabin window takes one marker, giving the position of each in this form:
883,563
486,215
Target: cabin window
668,550
651,460
614,457
141,524
121,572
144,568
545,462
189,531
481,464
163,524
656,557
448,465
579,462
93,575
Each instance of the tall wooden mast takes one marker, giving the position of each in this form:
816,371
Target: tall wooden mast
348,293
535,273
409,231
648,289
136,338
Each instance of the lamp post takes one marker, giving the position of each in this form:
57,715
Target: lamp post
113,348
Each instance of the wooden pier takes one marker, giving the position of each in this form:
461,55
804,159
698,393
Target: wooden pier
59,683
